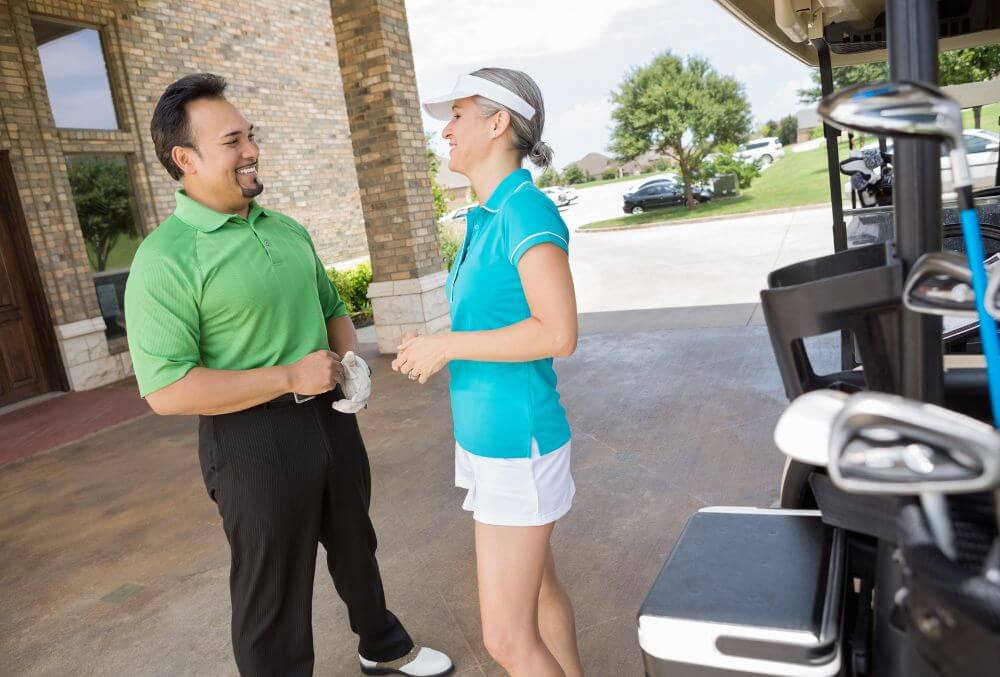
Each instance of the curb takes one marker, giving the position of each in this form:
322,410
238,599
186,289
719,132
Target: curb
705,219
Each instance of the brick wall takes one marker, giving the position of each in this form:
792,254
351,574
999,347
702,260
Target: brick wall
281,61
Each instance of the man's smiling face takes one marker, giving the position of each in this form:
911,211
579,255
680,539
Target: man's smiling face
225,162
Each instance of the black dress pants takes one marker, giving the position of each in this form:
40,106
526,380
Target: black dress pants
286,477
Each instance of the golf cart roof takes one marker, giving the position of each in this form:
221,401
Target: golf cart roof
855,29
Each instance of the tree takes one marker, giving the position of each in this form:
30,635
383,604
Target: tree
679,108
549,177
788,130
574,174
440,197
103,204
769,128
954,68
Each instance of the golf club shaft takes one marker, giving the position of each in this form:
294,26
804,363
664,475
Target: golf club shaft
987,325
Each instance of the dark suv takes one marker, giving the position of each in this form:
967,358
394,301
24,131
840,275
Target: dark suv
660,194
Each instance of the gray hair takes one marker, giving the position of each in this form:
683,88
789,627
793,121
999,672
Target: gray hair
527,134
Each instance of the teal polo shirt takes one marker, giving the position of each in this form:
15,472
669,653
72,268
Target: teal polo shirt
498,407
225,292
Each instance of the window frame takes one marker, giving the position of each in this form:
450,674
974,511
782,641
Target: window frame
103,39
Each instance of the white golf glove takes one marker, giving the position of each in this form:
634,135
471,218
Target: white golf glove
357,385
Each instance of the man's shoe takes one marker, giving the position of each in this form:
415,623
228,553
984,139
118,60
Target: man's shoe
420,662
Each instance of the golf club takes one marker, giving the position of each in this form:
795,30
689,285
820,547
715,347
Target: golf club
885,444
911,109
940,283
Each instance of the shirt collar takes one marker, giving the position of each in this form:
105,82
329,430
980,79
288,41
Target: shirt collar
506,188
206,219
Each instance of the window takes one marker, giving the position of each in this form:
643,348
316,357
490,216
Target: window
975,144
105,208
76,76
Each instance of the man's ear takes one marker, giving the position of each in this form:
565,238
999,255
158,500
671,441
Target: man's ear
183,157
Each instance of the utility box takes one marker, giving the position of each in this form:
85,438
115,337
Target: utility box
726,185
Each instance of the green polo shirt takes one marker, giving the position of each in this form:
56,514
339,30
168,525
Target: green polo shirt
225,292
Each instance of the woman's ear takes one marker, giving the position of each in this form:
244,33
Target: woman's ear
501,121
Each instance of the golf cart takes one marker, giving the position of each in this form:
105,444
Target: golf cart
883,557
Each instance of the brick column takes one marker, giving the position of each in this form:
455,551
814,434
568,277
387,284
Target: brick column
376,64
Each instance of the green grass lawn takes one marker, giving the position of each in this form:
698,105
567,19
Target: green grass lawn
121,253
989,118
795,180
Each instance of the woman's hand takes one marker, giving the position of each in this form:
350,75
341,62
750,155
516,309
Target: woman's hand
420,357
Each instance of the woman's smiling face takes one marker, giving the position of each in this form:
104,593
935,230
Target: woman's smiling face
469,135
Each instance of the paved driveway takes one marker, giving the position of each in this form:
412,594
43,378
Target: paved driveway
694,264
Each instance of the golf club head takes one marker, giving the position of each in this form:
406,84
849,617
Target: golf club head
940,283
903,108
992,289
803,431
889,445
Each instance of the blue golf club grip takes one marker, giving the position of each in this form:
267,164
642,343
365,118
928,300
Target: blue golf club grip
987,325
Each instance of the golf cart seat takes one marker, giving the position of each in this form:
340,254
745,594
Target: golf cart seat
770,603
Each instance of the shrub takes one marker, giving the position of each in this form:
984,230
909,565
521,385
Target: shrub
450,236
609,173
549,177
725,162
573,175
352,286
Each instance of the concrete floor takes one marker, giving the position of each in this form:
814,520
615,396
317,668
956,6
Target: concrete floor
114,561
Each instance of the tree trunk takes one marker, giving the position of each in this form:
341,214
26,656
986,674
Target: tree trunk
977,115
688,200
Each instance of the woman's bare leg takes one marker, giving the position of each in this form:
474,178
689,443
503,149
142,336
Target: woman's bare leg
510,562
556,622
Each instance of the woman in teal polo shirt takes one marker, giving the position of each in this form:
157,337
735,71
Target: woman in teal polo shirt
512,310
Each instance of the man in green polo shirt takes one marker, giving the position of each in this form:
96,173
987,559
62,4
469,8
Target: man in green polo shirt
231,317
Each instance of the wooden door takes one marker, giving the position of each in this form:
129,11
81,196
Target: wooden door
25,370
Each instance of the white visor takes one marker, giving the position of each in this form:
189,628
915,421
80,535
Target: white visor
439,107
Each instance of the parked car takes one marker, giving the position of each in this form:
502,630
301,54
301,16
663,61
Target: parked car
636,187
658,194
570,192
561,196
701,193
765,151
983,148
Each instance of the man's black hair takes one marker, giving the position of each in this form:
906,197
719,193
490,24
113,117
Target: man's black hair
170,126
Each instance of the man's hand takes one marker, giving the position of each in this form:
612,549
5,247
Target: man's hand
316,373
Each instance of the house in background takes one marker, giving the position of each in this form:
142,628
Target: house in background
643,163
808,121
593,164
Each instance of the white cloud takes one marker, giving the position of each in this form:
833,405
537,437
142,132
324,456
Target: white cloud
589,120
446,35
784,100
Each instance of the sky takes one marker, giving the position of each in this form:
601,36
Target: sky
578,51
77,81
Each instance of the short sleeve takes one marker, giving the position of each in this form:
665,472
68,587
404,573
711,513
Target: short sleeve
162,320
532,219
